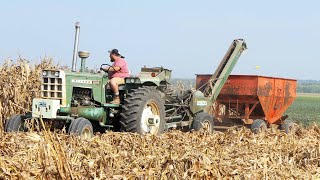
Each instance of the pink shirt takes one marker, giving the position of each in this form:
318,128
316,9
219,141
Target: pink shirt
123,72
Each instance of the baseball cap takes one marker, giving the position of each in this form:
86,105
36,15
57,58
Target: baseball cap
116,52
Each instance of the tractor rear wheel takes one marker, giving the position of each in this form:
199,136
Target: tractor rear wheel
203,121
258,126
15,124
143,112
288,126
81,127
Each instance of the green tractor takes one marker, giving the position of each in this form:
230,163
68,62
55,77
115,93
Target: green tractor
79,100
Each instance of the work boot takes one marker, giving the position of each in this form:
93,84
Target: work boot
116,100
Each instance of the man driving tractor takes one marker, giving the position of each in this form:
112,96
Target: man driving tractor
117,72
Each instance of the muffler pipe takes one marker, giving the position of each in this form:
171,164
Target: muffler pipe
75,49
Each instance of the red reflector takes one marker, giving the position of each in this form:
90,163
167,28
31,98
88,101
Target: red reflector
153,74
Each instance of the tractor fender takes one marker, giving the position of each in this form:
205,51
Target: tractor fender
149,83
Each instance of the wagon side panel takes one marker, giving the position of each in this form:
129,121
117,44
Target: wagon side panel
275,96
265,94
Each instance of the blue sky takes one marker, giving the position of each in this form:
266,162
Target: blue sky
186,36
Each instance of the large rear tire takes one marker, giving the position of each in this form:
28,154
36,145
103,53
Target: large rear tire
258,126
81,127
15,124
143,112
203,121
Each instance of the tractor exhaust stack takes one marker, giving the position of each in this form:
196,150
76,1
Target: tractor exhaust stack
75,49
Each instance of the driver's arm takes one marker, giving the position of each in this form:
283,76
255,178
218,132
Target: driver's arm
112,68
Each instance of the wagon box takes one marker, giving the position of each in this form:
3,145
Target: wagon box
250,97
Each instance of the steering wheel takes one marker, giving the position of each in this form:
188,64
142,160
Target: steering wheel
106,65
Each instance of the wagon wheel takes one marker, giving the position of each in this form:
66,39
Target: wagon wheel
289,127
258,126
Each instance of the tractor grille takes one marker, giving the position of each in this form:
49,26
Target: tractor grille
53,88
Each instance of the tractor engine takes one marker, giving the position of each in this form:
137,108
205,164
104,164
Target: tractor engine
82,97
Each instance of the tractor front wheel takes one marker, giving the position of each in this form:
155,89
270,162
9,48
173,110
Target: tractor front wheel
81,127
258,126
143,112
15,124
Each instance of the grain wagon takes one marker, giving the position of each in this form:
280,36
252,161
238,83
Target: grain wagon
251,100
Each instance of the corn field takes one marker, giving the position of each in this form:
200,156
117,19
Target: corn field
305,110
19,84
234,154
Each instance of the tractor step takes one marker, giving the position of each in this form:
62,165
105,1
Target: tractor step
112,105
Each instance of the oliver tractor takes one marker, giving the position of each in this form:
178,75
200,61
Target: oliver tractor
79,100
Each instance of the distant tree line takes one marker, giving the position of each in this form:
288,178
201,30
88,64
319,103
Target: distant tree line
308,86
304,86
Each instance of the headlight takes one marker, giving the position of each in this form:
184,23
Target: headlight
133,80
44,73
57,73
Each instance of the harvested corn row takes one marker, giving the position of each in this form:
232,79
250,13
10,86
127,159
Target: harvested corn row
236,154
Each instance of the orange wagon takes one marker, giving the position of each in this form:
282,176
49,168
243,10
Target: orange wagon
251,100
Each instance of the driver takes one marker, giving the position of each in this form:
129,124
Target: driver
117,72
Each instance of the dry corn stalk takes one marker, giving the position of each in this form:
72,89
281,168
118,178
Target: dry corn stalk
235,154
19,84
